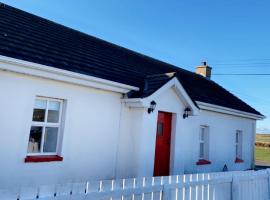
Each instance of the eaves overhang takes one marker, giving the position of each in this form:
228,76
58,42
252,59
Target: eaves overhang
228,111
52,73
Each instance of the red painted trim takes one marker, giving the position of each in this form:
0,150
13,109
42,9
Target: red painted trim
238,160
34,159
203,162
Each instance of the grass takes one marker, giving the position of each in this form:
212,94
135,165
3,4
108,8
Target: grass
262,154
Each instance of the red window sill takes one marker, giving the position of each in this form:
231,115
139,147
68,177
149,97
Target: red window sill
238,160
35,159
203,162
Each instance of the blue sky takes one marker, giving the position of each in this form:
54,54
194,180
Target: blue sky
232,36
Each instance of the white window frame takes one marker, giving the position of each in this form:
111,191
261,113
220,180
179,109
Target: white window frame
205,142
239,144
48,124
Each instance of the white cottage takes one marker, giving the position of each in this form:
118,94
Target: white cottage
74,107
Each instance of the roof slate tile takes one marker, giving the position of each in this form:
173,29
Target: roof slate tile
31,38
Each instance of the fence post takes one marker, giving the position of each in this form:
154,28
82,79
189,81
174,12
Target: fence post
235,188
268,173
166,193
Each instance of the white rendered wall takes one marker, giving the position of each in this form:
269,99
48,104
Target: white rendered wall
185,139
105,139
143,136
91,131
222,130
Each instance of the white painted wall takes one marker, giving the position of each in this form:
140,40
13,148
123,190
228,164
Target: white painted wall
185,139
105,139
90,133
222,130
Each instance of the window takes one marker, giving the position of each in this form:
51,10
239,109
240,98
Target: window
238,145
160,129
45,128
203,143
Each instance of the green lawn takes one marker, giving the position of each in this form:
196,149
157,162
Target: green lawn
262,155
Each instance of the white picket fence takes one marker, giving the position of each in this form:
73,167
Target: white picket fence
248,185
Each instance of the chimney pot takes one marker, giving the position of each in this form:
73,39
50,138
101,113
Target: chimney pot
204,70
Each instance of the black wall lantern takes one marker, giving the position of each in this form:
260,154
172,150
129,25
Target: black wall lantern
186,112
152,107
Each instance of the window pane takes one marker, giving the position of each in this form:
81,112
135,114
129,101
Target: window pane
53,111
201,150
202,134
237,137
50,139
35,139
239,153
39,111
160,129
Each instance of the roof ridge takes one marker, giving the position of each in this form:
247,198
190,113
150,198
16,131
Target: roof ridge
169,74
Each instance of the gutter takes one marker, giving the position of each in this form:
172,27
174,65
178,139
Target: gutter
43,71
230,111
136,103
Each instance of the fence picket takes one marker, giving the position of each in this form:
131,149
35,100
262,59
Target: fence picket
79,188
235,188
248,185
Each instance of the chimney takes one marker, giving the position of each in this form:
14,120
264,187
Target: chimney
204,70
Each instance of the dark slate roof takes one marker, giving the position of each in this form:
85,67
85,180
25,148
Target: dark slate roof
151,84
31,38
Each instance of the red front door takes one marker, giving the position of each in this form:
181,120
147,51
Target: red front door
163,144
